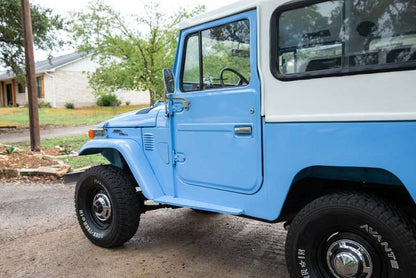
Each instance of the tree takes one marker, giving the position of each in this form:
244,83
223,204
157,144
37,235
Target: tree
131,53
45,26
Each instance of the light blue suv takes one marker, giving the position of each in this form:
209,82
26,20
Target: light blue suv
300,112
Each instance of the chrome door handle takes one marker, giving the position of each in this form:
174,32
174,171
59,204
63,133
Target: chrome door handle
243,130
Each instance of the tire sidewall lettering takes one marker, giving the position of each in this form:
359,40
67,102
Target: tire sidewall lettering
303,266
85,220
383,244
100,183
88,228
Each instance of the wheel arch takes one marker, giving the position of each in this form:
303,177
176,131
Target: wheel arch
316,181
127,154
111,154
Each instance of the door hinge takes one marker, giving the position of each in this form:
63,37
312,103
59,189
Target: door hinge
177,108
179,157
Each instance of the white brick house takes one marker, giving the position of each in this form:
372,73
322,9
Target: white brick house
61,80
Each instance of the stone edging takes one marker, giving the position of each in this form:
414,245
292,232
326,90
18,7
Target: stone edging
41,171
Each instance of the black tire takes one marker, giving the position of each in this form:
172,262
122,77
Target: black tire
336,227
116,215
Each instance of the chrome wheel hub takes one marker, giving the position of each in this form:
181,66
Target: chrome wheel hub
346,258
102,207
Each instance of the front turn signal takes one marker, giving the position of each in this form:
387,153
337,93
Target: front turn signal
96,132
91,134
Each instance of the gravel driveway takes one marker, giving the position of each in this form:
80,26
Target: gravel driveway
39,237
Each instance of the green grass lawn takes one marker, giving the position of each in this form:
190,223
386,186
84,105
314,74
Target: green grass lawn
76,143
84,161
61,117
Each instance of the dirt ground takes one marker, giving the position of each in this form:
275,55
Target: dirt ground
39,237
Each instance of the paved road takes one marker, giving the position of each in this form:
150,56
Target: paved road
39,237
15,137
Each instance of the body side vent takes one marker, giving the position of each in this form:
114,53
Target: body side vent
148,141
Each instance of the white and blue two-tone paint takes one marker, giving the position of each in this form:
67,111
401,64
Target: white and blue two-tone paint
323,127
267,148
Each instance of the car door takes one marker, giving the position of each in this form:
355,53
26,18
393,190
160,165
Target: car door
217,140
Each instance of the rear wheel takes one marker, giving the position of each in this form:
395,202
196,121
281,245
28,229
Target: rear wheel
351,235
107,206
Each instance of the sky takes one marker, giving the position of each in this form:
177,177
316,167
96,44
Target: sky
129,6
126,7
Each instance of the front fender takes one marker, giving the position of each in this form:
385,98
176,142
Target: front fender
135,159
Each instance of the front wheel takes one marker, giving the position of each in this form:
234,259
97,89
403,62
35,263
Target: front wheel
351,235
107,206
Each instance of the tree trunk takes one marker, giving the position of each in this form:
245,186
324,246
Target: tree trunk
152,97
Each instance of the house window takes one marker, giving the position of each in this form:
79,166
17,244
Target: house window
20,88
343,37
39,86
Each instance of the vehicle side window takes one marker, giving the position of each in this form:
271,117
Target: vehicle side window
345,36
225,58
191,73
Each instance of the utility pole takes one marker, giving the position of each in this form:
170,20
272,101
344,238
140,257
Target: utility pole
30,77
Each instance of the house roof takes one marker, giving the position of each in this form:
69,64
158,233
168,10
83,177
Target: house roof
50,65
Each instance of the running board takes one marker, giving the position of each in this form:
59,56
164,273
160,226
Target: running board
180,202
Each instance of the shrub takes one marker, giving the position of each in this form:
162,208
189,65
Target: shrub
44,104
65,148
69,105
10,149
108,100
128,103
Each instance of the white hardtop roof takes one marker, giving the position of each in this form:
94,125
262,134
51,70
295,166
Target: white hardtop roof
222,12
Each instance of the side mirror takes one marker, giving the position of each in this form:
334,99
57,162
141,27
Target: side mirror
169,81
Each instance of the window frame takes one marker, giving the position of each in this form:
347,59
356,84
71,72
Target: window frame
201,73
21,88
274,50
198,34
40,94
